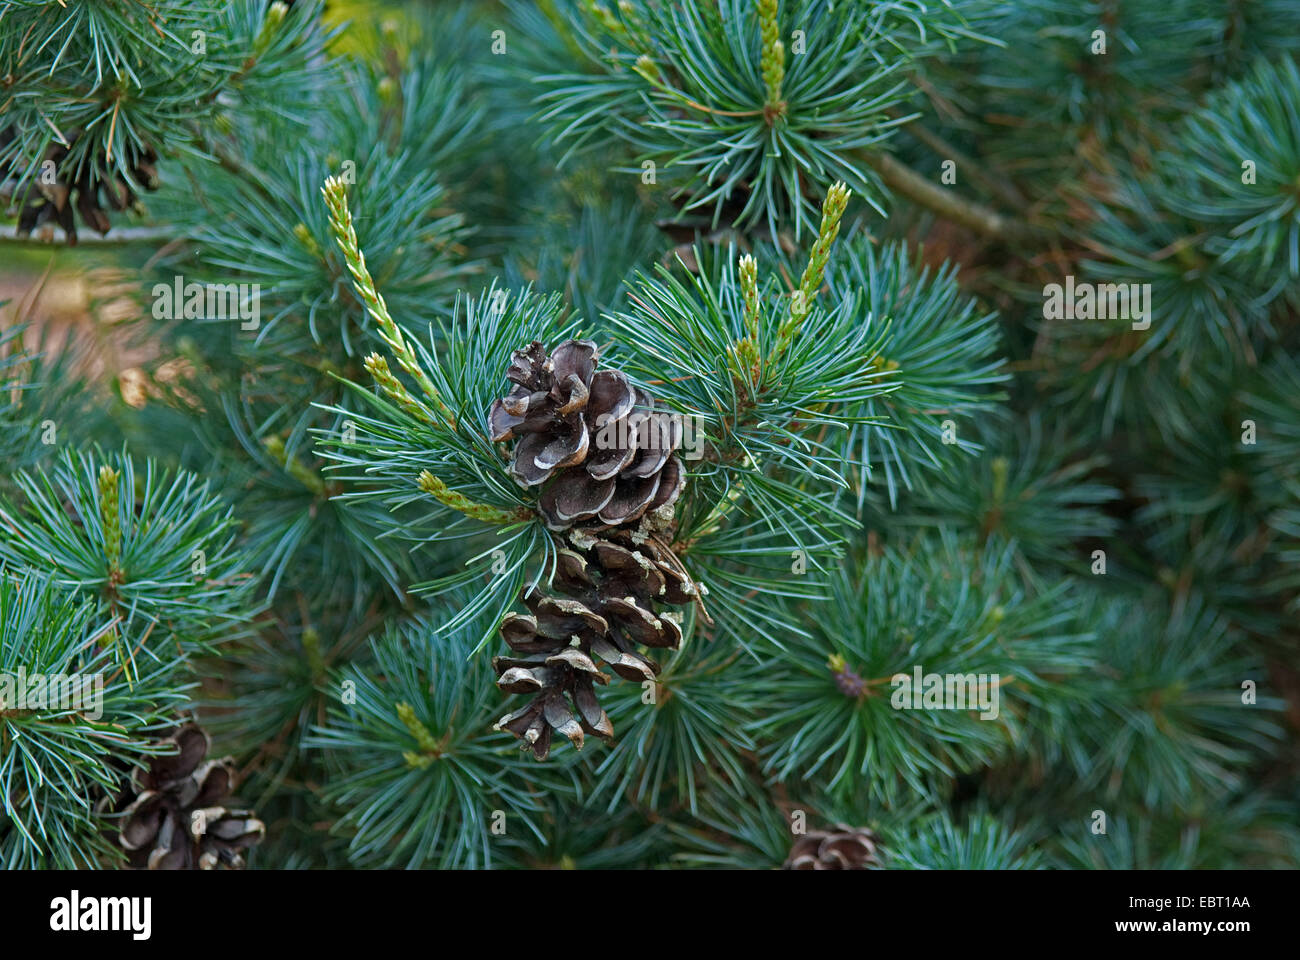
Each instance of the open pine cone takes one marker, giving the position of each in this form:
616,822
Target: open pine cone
90,193
171,818
594,439
844,848
610,587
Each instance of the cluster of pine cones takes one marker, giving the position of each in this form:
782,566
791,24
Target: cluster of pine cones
173,817
86,189
604,459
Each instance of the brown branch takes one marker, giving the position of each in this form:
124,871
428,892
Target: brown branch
1004,190
945,203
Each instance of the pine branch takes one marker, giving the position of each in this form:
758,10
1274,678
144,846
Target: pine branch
945,203
108,506
772,60
1004,189
335,193
377,367
837,199
462,504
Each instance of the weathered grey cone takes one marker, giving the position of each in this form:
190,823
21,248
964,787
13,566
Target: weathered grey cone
609,587
596,443
844,848
173,817
89,192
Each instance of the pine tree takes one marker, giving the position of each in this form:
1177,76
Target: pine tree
356,524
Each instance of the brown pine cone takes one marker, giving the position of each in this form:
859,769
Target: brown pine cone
172,818
844,848
606,609
90,193
596,441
